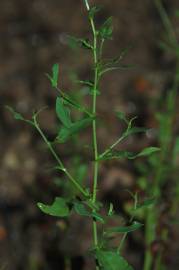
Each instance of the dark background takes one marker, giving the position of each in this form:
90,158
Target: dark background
33,38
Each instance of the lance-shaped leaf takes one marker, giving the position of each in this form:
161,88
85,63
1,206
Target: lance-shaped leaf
58,208
114,154
146,203
124,229
81,210
15,114
148,151
66,132
109,260
54,78
74,42
133,130
63,113
106,29
18,116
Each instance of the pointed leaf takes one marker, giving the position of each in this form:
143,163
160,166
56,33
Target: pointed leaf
54,77
81,210
125,229
16,115
134,130
63,113
148,151
107,29
109,260
146,203
65,133
58,208
114,154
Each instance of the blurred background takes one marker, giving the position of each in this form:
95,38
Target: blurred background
33,37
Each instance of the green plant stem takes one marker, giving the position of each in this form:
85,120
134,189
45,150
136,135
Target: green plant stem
61,165
95,145
131,219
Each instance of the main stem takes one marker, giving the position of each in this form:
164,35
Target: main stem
95,145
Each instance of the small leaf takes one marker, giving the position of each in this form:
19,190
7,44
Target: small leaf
111,210
16,115
114,154
63,113
134,130
81,210
54,77
146,203
65,133
79,42
148,151
107,29
109,260
58,208
125,229
55,72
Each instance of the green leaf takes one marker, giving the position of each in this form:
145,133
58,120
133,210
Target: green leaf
111,210
54,78
114,154
55,72
66,132
58,208
15,114
148,151
18,116
63,113
106,30
79,43
125,229
134,130
109,260
146,203
81,210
